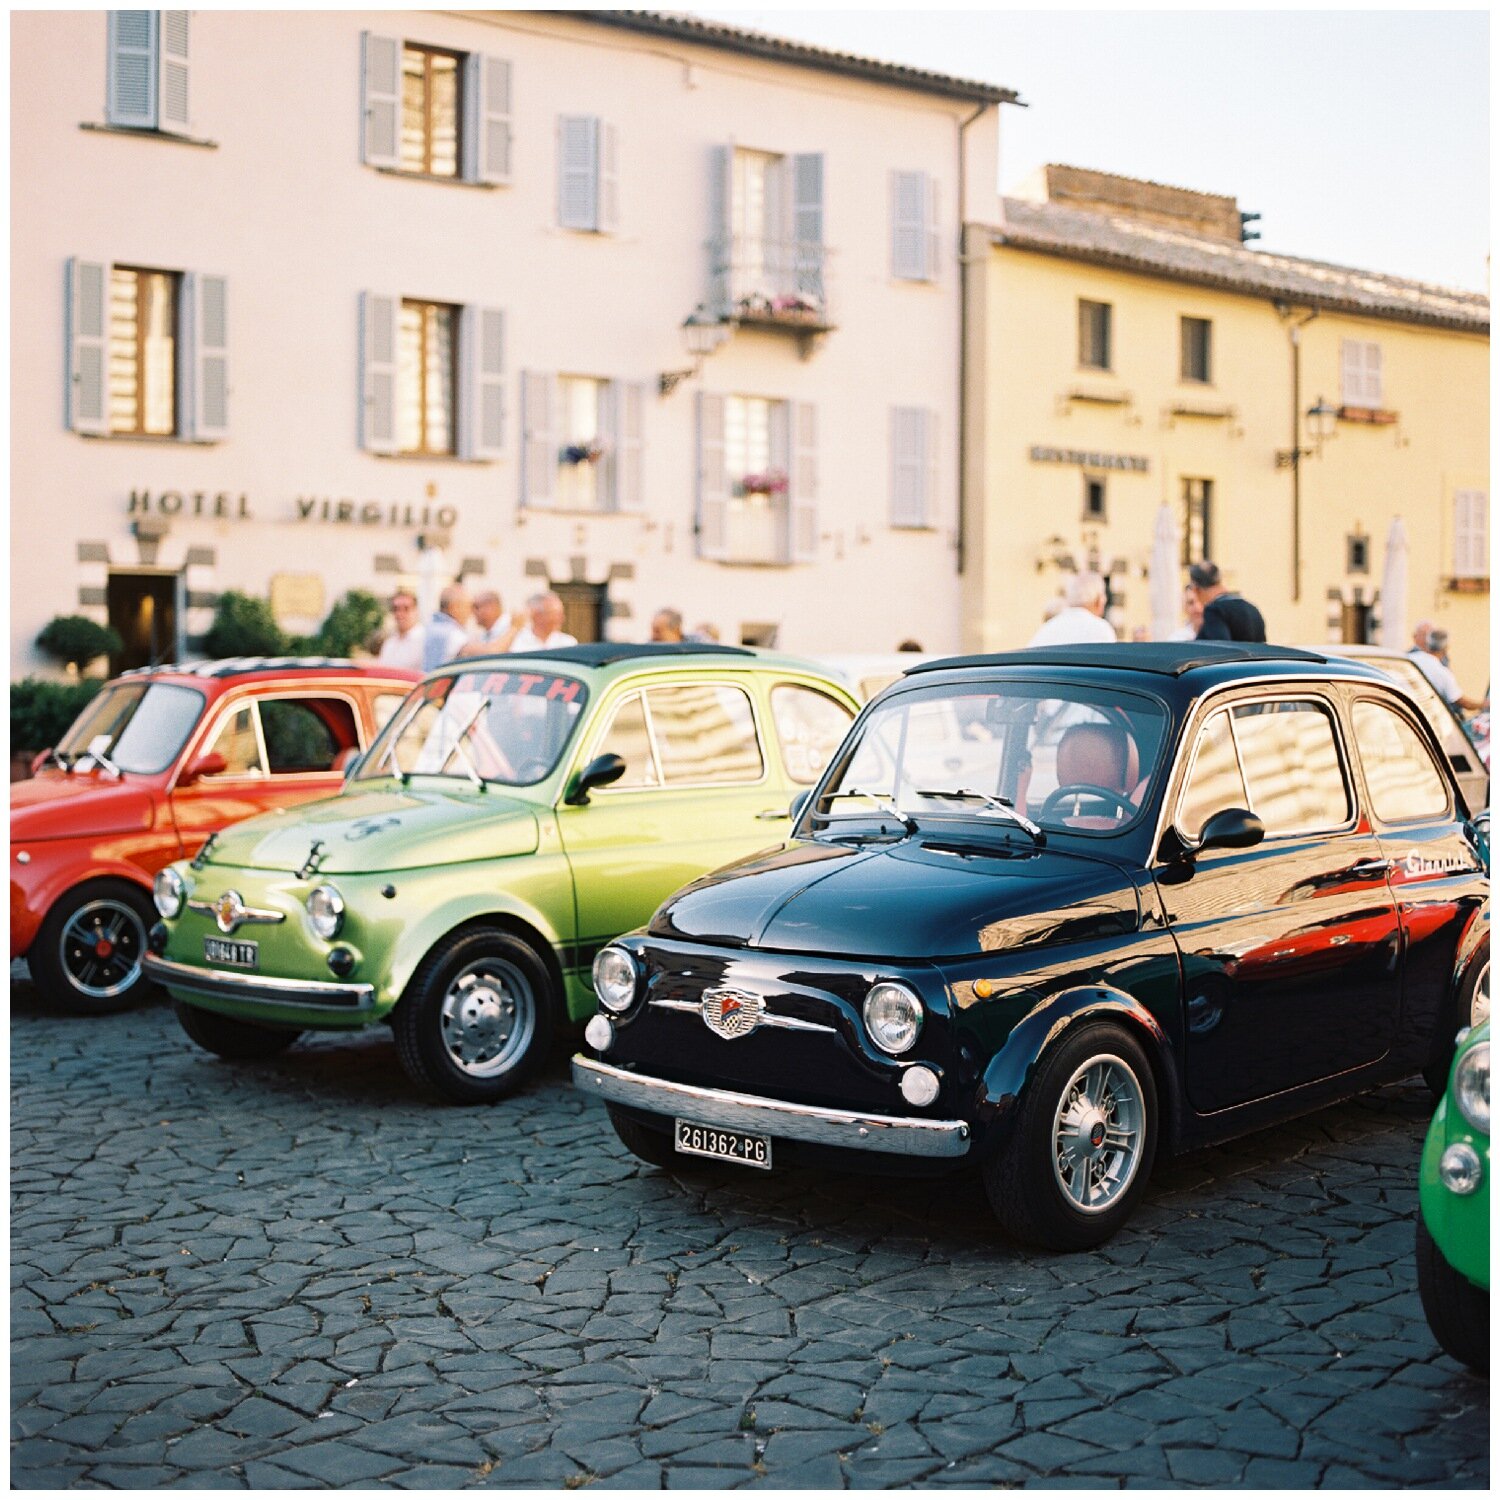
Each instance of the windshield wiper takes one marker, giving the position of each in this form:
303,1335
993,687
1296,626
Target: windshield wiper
885,804
1003,805
457,747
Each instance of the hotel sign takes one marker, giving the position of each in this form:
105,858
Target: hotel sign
1130,463
222,505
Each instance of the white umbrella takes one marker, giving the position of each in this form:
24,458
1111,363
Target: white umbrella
1393,588
1166,593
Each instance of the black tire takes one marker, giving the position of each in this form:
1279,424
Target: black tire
486,969
652,1146
231,1038
88,951
1435,1074
1458,1312
1022,1181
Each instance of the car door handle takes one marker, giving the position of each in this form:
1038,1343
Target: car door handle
772,815
1368,869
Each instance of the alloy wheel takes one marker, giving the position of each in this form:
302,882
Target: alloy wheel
1098,1132
101,948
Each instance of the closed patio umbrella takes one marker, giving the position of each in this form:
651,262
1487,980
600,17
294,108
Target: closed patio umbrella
1166,591
1393,588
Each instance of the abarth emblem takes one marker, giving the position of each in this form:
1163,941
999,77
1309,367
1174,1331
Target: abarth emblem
731,1013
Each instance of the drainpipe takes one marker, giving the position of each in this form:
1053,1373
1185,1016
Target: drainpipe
963,337
1296,451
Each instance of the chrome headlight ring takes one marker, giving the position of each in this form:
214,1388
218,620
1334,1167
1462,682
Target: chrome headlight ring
169,892
617,978
893,1017
325,911
1471,1086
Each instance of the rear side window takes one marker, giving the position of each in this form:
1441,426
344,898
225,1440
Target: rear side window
306,734
1404,782
810,726
1290,758
705,734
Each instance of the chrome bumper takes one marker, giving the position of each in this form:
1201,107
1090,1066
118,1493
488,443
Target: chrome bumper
794,1122
261,991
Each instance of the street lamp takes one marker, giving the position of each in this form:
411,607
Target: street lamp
703,334
1322,421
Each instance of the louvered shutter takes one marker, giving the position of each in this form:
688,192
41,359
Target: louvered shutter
713,479
481,342
487,127
378,359
1471,534
909,466
1351,373
538,441
934,232
720,234
609,178
804,482
578,172
206,301
1374,383
381,78
807,225
908,226
87,340
130,95
173,89
629,405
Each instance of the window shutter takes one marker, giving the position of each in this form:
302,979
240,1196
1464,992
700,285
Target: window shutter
934,232
1374,384
173,88
87,339
609,179
481,344
1471,534
487,125
130,95
381,76
807,225
909,466
578,172
538,442
804,482
713,479
620,428
377,368
720,235
206,358
908,226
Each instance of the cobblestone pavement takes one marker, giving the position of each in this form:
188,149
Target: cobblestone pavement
298,1274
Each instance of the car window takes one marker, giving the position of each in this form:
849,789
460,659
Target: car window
1429,700
306,734
1289,754
1403,780
810,726
238,743
1215,782
628,737
705,734
386,705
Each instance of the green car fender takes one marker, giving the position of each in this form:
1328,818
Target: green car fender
1458,1222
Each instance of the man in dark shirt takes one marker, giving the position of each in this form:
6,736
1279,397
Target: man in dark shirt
1226,616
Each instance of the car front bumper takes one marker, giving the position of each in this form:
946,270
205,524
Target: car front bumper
851,1129
314,1002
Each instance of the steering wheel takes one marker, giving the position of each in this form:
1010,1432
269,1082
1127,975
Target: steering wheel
1085,789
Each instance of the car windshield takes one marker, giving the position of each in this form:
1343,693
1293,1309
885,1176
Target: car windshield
999,754
505,727
138,726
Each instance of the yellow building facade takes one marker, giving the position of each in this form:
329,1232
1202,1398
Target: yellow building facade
1128,353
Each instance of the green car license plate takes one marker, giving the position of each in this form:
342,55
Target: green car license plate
233,955
723,1145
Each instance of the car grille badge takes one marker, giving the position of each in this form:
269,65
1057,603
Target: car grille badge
731,1013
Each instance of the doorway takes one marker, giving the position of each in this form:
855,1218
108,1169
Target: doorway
1355,622
143,610
585,609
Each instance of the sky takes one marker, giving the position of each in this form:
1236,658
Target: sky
1361,137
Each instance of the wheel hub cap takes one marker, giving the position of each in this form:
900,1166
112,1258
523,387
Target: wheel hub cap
486,1020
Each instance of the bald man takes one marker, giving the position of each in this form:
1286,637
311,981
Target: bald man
447,631
545,632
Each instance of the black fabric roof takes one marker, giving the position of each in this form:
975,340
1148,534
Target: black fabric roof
606,653
1166,658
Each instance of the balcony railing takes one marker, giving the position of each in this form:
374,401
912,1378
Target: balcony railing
774,284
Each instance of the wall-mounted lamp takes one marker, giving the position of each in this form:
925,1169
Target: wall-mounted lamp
702,334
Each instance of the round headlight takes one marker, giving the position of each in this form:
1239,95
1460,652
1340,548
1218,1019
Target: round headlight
1471,1086
168,892
1460,1169
615,978
893,1017
325,911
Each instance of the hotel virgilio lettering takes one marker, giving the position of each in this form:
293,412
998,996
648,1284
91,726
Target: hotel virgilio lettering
223,505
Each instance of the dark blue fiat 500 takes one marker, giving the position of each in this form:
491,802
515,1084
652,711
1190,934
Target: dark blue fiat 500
1053,912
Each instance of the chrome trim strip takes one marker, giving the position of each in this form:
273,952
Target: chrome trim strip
787,1023
262,990
245,916
796,1122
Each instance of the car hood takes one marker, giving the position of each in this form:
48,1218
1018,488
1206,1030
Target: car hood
389,829
57,805
915,900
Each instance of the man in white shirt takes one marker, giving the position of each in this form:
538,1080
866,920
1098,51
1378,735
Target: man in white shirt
492,633
448,630
1427,642
1083,620
403,646
545,632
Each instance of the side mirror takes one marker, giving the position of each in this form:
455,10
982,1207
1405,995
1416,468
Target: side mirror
600,771
200,766
798,803
1231,828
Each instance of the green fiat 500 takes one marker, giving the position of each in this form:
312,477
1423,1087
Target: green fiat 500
516,814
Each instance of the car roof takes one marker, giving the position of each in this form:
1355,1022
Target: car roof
1161,658
250,666
618,658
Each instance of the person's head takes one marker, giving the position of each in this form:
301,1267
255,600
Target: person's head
486,608
1206,581
1421,634
666,625
404,610
546,613
909,645
1192,606
454,602
1086,591
1437,641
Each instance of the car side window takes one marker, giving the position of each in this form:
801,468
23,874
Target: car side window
810,726
1214,781
239,744
306,734
1404,782
630,739
705,734
1290,757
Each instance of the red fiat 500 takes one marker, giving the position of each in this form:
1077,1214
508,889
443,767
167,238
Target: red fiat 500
153,766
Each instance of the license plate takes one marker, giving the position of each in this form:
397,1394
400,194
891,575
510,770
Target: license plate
723,1145
235,955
